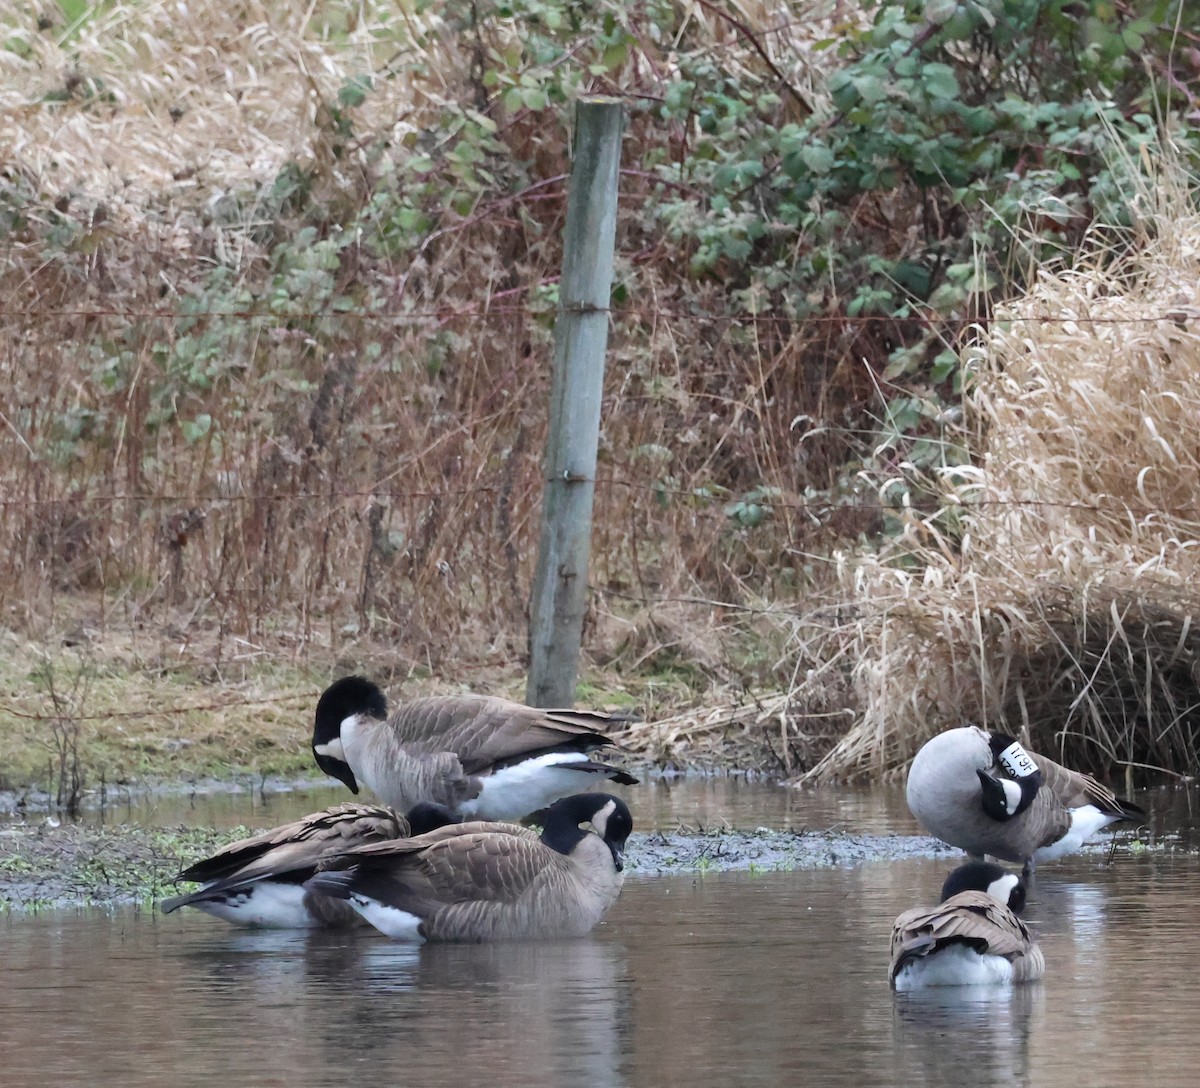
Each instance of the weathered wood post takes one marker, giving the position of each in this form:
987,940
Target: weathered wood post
580,339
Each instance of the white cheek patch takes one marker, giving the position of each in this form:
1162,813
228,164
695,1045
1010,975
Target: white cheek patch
1012,795
600,820
333,749
1001,888
1017,761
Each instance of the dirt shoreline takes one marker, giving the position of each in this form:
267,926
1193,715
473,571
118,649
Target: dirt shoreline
43,866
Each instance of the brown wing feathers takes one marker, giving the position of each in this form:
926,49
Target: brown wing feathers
343,826
288,853
1074,788
471,868
487,732
454,862
972,918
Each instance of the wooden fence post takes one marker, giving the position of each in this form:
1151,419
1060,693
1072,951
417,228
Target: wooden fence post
580,339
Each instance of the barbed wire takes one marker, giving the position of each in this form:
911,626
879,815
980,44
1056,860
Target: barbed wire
311,696
488,313
224,704
697,494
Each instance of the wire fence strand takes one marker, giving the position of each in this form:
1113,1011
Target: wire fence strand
483,313
713,499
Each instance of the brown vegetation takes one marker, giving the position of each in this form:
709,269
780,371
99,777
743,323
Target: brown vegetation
1064,606
240,448
237,445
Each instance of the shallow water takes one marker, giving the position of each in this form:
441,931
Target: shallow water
736,979
660,804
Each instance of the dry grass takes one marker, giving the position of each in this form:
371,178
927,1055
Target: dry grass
166,106
121,708
311,479
351,478
1065,605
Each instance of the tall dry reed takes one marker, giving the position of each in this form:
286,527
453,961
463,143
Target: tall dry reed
1064,606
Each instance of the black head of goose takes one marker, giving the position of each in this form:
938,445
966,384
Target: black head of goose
973,937
258,882
484,757
983,792
489,881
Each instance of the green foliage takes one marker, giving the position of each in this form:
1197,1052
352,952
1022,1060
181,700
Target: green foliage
753,508
963,145
993,115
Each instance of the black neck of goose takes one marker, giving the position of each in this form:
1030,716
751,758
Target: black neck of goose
973,876
1030,785
561,832
607,816
429,816
998,742
1011,757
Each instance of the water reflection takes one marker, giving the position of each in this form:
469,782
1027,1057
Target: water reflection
988,1029
658,804
319,1005
551,1013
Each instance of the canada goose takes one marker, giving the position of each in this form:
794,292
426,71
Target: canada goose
483,757
258,881
985,793
479,882
973,937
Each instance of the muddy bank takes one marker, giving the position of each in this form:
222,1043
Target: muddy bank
723,851
42,865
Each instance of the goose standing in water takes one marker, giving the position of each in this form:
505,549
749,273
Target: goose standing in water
985,793
482,757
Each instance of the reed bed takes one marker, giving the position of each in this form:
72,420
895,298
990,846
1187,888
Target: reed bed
1063,604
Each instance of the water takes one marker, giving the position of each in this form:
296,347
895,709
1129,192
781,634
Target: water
659,803
711,981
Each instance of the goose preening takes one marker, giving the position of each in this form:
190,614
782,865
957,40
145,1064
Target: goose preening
489,881
259,881
483,757
985,793
972,937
